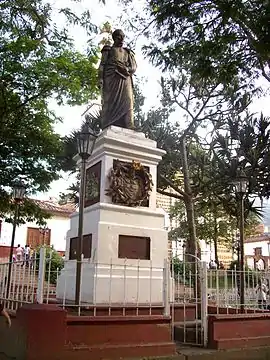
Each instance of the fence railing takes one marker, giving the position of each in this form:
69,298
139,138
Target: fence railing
184,290
23,283
224,290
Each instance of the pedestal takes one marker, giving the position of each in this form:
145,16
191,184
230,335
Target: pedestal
129,245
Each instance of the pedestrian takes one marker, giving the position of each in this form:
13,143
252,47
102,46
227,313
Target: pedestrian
261,291
27,255
19,253
213,265
31,256
4,313
221,266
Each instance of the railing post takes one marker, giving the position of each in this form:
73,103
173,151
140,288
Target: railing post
204,303
166,288
41,275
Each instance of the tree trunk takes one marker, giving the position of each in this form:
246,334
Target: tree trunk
192,243
192,246
216,239
216,251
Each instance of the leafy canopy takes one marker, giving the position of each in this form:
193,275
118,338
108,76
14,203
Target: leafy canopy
38,62
225,41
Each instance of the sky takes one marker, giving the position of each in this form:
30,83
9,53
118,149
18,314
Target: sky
72,115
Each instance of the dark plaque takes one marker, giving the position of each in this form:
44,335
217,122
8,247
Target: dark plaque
92,186
86,250
134,247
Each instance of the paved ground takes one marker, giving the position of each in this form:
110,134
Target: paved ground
185,353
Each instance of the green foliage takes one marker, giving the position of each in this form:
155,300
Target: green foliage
38,62
181,270
222,42
54,264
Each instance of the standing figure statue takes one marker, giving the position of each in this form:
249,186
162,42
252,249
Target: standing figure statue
115,77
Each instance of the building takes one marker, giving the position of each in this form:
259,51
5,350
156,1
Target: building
165,203
176,247
257,251
30,233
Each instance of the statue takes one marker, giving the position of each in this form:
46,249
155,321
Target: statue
115,77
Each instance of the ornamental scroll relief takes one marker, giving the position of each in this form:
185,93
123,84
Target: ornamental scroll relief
130,184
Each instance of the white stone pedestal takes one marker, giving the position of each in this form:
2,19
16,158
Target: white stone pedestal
106,278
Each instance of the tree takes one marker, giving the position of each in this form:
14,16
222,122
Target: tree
222,41
38,63
213,224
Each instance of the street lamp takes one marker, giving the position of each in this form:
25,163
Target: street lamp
44,231
86,141
18,195
241,185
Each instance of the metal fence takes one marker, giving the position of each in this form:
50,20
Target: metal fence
127,288
224,290
23,283
189,305
186,290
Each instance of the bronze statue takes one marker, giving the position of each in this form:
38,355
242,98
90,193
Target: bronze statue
115,77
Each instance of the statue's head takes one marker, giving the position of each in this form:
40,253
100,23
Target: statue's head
118,37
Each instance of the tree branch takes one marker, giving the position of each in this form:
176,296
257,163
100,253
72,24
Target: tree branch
166,193
174,187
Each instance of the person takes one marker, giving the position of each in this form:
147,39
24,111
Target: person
221,266
31,256
4,313
27,255
116,68
19,253
213,265
261,291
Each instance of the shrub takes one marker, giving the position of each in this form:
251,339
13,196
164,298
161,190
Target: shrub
54,263
181,271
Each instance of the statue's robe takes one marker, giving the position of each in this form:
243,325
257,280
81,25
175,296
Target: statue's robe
117,91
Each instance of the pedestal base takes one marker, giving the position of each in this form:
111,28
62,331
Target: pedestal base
112,284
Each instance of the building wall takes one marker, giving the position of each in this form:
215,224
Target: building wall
59,226
250,246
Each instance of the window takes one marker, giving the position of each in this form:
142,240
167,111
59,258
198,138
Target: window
87,247
258,251
134,247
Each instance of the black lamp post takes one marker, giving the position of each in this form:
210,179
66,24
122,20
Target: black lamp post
18,195
86,141
44,231
241,185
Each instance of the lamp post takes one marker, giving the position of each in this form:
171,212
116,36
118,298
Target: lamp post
44,231
86,141
18,195
241,185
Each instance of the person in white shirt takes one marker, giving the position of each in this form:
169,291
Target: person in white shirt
261,291
19,253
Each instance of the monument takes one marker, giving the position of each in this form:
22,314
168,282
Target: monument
116,68
125,241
